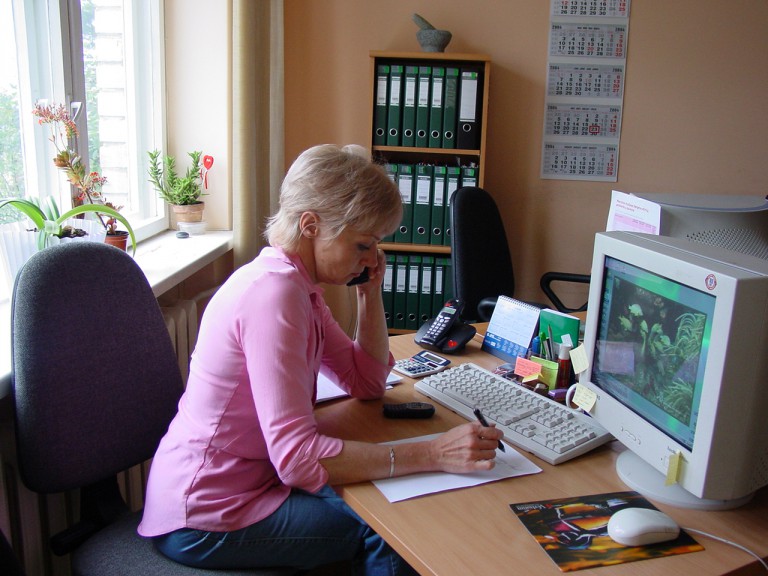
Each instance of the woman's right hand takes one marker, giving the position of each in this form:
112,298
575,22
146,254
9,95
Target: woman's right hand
466,448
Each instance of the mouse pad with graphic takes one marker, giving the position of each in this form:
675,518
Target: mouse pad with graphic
574,531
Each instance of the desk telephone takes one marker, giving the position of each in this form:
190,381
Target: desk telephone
446,332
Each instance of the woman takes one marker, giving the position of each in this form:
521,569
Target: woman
242,478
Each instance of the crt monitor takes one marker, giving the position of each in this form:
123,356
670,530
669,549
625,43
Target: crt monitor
676,338
738,223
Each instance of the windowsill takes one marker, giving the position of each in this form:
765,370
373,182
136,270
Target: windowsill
165,260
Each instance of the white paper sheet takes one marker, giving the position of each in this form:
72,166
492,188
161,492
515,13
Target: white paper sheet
633,214
327,390
508,465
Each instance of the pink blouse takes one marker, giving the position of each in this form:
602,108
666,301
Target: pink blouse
245,432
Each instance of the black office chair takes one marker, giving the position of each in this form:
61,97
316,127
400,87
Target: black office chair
481,261
95,385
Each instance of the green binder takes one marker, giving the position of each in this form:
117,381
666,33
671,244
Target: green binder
409,106
422,106
447,278
438,296
438,205
404,234
392,173
453,179
450,111
426,288
436,107
468,176
412,293
400,286
422,208
387,289
394,109
380,106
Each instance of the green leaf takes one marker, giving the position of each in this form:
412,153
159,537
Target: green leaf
29,209
101,209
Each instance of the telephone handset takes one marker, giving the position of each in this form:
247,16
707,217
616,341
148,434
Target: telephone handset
446,332
362,279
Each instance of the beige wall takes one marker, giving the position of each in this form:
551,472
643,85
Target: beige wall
694,116
198,75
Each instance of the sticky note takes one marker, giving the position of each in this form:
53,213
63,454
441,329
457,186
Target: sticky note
579,359
584,398
673,469
531,378
548,371
525,367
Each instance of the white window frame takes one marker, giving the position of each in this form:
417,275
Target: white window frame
49,45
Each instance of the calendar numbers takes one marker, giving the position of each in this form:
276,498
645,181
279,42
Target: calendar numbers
585,81
583,121
580,161
593,8
591,41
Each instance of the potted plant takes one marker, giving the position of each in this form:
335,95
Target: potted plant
86,186
49,223
182,193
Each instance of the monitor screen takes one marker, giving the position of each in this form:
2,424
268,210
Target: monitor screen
651,347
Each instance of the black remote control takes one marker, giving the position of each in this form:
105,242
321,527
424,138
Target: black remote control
409,410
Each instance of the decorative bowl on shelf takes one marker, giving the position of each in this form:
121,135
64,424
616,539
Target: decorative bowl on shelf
432,40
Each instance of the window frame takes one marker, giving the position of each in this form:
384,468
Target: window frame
50,47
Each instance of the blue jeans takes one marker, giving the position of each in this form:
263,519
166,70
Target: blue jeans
307,531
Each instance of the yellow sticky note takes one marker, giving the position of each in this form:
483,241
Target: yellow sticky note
584,398
531,377
579,359
673,469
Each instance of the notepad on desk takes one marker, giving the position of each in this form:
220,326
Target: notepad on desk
329,390
564,328
509,464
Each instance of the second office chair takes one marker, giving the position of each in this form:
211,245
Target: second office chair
482,262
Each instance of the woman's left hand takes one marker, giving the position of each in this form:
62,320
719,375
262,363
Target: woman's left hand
375,275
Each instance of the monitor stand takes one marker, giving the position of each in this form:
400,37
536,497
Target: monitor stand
645,479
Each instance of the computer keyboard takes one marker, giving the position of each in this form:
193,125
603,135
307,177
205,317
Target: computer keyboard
529,421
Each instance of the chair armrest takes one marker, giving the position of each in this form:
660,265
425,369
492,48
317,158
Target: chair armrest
546,285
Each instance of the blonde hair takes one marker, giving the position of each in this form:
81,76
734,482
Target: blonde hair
343,187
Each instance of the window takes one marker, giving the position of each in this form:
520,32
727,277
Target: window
103,57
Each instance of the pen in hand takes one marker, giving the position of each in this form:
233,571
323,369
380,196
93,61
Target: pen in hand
484,422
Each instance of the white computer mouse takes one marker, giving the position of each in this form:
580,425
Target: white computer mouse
641,526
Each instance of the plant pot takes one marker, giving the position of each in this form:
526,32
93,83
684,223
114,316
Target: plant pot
186,213
119,240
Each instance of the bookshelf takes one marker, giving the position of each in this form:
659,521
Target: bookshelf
431,146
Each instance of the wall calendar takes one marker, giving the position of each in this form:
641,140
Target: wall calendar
585,89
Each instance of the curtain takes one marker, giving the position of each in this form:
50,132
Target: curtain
257,120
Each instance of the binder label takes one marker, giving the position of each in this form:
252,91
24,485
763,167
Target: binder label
381,91
468,107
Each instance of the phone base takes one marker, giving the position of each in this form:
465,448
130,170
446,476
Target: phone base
459,335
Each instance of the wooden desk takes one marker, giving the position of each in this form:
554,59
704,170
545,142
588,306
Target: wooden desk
473,531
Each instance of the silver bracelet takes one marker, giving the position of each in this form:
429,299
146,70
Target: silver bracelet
391,462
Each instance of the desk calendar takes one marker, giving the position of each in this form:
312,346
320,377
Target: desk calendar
585,89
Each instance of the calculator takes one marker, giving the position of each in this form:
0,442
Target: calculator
422,364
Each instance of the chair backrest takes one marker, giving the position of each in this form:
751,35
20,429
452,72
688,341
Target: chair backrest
95,377
481,262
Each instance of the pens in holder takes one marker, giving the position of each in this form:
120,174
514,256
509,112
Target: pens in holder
550,343
484,422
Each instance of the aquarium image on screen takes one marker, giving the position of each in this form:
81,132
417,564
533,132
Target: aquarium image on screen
651,349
